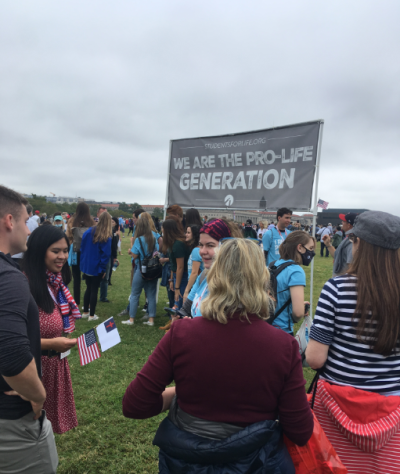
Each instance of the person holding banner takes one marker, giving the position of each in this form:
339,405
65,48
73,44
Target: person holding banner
46,266
274,237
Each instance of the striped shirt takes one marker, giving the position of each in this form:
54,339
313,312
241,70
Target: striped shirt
349,361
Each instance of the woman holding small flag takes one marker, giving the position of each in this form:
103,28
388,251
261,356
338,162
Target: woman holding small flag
45,265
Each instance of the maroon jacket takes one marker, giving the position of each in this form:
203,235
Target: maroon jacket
237,373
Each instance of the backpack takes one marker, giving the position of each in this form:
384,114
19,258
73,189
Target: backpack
77,234
273,284
151,263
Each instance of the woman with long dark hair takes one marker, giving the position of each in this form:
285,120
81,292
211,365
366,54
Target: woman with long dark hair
174,243
82,220
95,255
195,262
355,342
192,217
45,265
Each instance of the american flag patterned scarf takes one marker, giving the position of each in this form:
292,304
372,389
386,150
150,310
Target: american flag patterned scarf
68,307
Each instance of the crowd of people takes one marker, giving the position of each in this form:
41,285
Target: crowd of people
235,293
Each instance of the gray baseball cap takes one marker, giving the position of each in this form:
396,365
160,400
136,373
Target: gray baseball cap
378,228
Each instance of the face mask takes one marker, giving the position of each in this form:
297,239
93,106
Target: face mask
307,257
58,225
65,221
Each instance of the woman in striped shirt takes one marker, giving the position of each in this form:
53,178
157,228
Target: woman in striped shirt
355,342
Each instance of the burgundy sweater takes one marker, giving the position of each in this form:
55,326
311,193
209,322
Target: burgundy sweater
237,373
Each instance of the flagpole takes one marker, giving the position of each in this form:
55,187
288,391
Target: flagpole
315,212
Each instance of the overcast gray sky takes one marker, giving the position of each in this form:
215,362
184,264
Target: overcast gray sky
91,92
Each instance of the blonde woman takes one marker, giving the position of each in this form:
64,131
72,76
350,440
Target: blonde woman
95,255
229,395
262,229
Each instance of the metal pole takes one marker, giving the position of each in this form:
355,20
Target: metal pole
315,212
168,175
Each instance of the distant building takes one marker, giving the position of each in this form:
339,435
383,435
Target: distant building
151,207
112,207
63,199
331,216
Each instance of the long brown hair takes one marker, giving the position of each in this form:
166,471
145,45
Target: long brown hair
146,215
143,229
288,248
103,230
378,296
82,217
171,233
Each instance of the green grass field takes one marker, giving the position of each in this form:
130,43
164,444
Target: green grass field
105,441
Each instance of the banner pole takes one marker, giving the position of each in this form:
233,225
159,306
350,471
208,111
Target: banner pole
315,211
168,175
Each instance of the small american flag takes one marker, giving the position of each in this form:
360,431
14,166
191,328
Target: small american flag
322,204
87,347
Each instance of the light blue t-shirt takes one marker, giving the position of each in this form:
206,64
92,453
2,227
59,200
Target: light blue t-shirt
271,241
291,276
137,248
121,221
195,257
198,292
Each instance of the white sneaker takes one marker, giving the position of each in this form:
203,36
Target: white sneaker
85,315
93,318
148,323
145,317
128,322
123,313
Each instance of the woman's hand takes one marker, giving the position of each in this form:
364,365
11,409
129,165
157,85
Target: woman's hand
61,344
171,285
164,260
185,295
177,295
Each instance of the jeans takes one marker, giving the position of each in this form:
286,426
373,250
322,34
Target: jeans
92,288
104,282
150,288
76,275
323,246
182,288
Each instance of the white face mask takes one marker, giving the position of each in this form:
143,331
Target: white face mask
58,225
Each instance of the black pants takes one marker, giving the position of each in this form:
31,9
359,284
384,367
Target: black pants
323,246
76,275
92,289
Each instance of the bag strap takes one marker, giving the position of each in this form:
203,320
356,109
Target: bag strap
313,387
281,310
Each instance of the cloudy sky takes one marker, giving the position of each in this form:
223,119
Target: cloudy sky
91,92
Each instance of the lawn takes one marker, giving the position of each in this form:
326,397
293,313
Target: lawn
105,441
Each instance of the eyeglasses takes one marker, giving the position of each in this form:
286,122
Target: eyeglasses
352,238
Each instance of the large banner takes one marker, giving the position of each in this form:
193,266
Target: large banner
265,169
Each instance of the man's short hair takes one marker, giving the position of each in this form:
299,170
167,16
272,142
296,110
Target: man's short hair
102,207
11,202
282,211
29,208
137,212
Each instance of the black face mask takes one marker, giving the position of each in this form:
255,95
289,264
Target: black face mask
307,257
